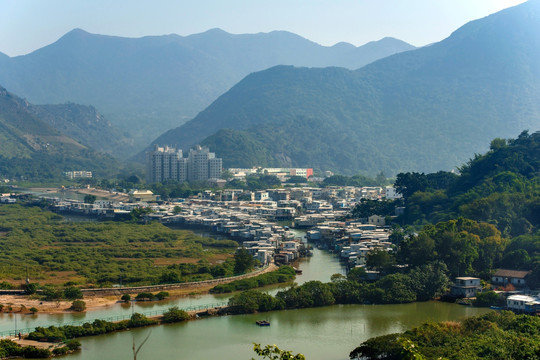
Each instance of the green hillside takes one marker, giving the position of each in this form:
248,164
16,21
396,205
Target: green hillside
87,126
148,85
421,110
501,187
30,148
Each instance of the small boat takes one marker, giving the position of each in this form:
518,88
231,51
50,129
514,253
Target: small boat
262,323
297,271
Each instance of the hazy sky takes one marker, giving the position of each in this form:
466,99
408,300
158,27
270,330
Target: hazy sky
26,25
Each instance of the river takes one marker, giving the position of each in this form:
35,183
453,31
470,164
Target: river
319,333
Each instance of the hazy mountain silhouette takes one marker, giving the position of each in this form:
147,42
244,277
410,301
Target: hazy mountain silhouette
151,84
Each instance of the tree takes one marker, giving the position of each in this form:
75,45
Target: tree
408,183
162,295
78,305
73,293
89,199
380,260
381,178
497,144
137,349
381,347
429,281
357,274
30,288
126,298
272,352
243,261
488,298
174,314
296,180
144,296
33,310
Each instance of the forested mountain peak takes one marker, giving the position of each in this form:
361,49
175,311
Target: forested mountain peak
422,110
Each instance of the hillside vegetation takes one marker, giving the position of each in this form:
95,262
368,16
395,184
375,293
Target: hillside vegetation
87,126
32,149
104,253
492,336
499,189
421,110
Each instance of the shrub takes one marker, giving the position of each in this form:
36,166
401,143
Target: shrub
174,315
162,295
50,293
144,296
73,293
9,348
30,288
488,298
32,352
138,320
33,310
6,286
78,305
60,351
126,298
73,345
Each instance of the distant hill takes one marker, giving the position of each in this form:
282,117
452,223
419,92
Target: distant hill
86,125
148,85
421,110
32,149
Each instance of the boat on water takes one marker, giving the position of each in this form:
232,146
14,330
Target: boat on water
262,322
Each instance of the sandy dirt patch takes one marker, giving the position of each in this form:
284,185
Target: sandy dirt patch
22,304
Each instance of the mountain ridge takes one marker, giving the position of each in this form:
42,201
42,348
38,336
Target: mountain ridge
421,110
148,85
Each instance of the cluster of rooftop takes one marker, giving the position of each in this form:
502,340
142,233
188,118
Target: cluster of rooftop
352,240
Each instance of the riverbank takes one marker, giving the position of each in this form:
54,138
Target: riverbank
21,304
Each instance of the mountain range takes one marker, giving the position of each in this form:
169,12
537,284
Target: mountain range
421,110
31,148
148,85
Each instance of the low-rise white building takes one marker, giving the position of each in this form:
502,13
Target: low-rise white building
523,303
466,287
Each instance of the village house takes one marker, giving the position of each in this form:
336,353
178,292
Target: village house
504,277
466,287
523,303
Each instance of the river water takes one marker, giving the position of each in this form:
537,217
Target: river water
319,333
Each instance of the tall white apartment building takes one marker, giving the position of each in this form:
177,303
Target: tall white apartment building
164,163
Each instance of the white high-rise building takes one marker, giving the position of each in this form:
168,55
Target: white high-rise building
165,163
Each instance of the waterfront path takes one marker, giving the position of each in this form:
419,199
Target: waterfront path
187,285
192,310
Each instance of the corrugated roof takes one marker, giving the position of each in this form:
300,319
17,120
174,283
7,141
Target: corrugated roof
511,273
